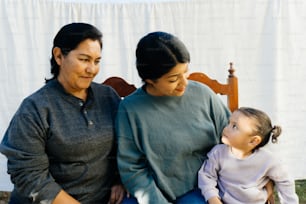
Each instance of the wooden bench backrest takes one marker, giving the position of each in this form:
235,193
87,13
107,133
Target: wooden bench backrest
230,88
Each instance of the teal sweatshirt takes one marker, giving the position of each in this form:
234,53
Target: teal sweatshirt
163,141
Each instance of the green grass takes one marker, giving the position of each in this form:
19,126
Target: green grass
300,190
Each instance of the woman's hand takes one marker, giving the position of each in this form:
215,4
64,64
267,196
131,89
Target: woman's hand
63,197
117,194
214,200
269,188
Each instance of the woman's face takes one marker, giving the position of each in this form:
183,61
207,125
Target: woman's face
173,83
79,67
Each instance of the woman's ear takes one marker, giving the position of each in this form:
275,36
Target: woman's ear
57,53
149,81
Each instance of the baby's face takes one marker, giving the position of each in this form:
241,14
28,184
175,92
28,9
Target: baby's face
239,131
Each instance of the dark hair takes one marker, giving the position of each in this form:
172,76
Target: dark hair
157,53
69,37
263,125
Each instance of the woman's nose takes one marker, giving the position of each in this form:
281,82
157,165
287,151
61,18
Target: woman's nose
184,80
91,68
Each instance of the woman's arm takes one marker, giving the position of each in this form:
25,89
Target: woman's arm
269,188
24,146
132,162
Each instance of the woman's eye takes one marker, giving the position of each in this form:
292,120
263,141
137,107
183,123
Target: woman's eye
84,60
97,62
172,80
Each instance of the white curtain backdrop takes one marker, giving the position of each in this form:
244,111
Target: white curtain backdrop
264,38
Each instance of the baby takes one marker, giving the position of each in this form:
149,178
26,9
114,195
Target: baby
238,170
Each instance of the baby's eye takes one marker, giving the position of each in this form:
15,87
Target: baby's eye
234,126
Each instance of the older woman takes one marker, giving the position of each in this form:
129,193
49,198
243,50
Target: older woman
60,143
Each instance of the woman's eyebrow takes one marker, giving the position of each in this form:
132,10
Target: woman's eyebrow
173,75
86,55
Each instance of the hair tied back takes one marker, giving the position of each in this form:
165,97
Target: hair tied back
275,132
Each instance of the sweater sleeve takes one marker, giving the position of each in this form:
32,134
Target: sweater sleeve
284,183
208,176
133,168
212,105
24,146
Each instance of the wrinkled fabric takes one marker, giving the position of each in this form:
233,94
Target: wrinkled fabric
163,141
56,141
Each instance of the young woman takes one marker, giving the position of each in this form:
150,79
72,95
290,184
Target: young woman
166,127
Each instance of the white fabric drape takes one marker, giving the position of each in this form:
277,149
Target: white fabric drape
264,38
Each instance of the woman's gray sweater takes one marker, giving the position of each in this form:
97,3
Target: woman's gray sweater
57,141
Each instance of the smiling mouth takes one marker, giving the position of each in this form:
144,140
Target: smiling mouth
87,77
180,90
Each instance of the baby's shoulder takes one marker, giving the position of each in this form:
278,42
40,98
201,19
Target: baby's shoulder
219,149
